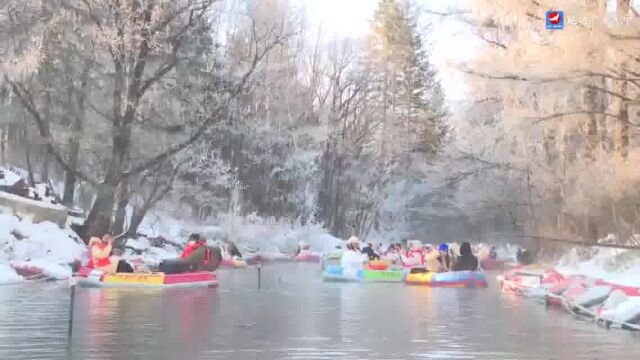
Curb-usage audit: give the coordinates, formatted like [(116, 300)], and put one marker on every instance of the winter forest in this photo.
[(204, 108)]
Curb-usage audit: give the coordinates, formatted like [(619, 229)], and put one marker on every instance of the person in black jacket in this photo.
[(368, 250), (466, 261)]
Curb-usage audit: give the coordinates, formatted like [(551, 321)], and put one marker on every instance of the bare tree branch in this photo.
[(200, 130), (27, 102)]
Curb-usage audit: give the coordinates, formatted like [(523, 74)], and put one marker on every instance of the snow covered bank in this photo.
[(46, 246), (616, 266), (43, 244), (251, 233), (268, 235)]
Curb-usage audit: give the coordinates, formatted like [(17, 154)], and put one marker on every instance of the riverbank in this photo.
[(50, 248)]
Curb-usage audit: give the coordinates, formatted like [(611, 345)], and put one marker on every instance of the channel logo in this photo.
[(555, 20)]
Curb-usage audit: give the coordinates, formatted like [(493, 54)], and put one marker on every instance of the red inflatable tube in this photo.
[(308, 258)]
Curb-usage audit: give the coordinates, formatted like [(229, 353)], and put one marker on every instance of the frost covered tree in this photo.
[(560, 113), (385, 126), (137, 46)]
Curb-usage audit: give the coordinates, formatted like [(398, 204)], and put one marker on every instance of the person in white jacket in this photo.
[(352, 259)]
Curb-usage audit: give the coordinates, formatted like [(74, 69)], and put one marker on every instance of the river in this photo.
[(294, 316)]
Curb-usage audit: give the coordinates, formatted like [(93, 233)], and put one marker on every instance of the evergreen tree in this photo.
[(406, 87)]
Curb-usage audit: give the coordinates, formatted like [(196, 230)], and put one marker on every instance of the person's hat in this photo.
[(443, 247)]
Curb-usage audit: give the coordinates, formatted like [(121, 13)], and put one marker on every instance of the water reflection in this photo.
[(296, 316)]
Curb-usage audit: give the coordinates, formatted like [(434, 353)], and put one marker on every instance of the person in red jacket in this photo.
[(195, 256), (194, 249)]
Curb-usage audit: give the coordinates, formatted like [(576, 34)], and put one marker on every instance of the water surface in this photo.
[(295, 316)]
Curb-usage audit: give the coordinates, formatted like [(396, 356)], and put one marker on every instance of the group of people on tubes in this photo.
[(195, 256), (414, 255)]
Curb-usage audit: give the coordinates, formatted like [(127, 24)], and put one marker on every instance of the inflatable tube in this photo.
[(231, 263), (593, 296), (26, 269), (626, 312), (336, 273), (310, 257), (488, 263), (379, 265), (453, 279), (148, 280)]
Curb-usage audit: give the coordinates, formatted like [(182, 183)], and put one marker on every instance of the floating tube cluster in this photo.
[(337, 273), (453, 279), (603, 302)]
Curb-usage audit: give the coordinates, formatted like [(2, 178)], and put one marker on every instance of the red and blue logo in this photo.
[(555, 20)]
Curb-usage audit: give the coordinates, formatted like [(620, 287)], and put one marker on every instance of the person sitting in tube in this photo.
[(100, 257), (415, 255), (352, 259)]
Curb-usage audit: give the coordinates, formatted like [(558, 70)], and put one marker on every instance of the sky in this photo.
[(451, 41)]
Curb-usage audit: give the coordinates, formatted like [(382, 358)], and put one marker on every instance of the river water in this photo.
[(295, 316)]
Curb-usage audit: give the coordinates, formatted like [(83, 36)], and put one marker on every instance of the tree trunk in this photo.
[(70, 177), (3, 146), (68, 197), (622, 12), (136, 219), (121, 208), (76, 132), (99, 218), (27, 154), (98, 222)]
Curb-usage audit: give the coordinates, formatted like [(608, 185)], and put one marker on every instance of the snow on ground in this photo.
[(23, 240), (251, 233), (44, 245), (8, 178), (143, 248), (268, 235), (617, 266)]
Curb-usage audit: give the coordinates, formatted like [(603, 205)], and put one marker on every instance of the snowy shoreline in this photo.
[(52, 249), (47, 246)]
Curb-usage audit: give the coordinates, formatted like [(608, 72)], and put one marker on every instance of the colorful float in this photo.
[(99, 279), (452, 279), (335, 273), (522, 279)]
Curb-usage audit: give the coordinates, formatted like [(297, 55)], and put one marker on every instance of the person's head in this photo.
[(353, 243), (465, 249), (443, 248), (370, 245), (194, 237), (94, 240)]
